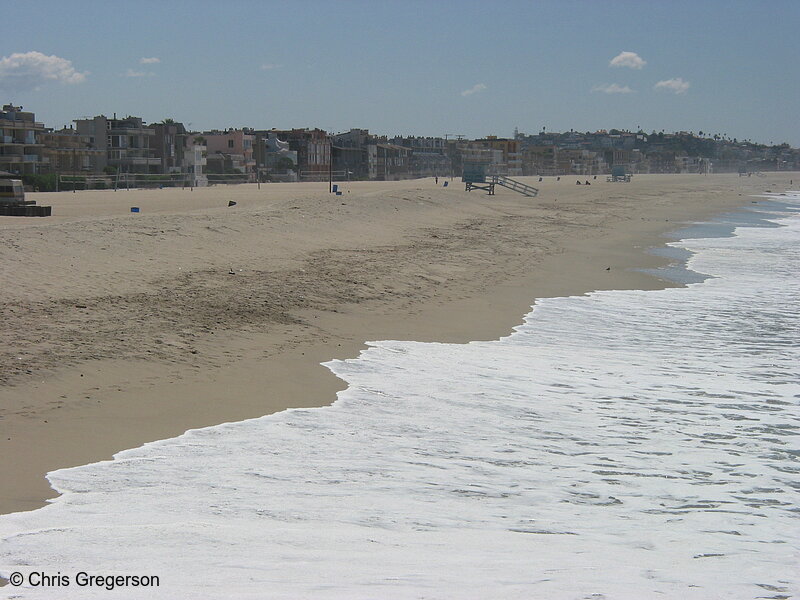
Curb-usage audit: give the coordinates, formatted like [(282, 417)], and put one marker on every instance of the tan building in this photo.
[(539, 160), (511, 161), (230, 151), (69, 153), (388, 162), (20, 143), (124, 143)]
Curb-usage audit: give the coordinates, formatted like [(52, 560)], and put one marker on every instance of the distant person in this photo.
[(540, 178), (437, 180), (587, 182), (577, 183), (558, 178), (595, 176)]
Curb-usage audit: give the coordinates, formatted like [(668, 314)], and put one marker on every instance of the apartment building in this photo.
[(313, 147), (125, 144), (539, 160), (388, 162), (349, 153), (502, 154), (512, 157), (429, 156), (275, 161), (478, 152), (67, 152), (20, 143), (230, 151), (168, 143)]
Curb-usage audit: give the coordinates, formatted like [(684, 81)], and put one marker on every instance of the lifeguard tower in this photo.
[(619, 173), (473, 175), (13, 203), (475, 178)]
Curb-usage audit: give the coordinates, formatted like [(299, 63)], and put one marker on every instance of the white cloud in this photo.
[(270, 66), (149, 61), (675, 85), (132, 73), (478, 87), (612, 88), (30, 70), (628, 59)]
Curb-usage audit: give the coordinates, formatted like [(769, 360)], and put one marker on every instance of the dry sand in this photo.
[(122, 328)]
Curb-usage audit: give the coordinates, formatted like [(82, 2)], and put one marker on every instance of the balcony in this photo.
[(130, 131), (20, 124), (130, 160)]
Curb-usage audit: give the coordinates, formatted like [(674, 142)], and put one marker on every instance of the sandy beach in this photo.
[(121, 328)]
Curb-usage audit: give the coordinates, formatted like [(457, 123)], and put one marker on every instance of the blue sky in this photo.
[(412, 68)]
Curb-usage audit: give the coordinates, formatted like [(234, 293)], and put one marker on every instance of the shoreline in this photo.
[(470, 272)]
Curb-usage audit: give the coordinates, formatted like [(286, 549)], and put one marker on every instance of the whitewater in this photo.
[(619, 445)]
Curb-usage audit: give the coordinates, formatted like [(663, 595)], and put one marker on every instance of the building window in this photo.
[(230, 143)]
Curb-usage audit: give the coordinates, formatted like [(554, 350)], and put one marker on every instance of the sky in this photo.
[(437, 68)]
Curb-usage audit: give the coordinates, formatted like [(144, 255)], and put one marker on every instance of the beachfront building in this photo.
[(168, 143), (476, 152), (275, 161), (230, 152), (511, 160), (313, 147), (20, 143), (429, 157), (363, 156), (387, 161), (539, 160), (349, 153), (586, 162), (194, 160), (619, 157), (124, 144), (661, 162), (565, 160), (66, 152), (180, 152), (350, 162), (693, 164)]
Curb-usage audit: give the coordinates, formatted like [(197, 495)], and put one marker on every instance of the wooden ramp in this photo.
[(516, 186)]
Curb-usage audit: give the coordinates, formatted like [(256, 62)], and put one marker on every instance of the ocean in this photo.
[(617, 445)]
